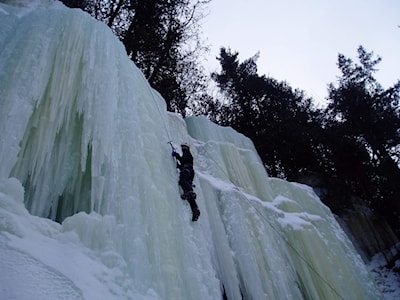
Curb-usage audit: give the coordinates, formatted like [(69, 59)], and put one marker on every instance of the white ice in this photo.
[(89, 195)]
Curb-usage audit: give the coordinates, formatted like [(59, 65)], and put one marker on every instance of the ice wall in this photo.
[(89, 201)]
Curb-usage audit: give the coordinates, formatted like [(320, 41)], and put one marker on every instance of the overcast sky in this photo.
[(299, 40)]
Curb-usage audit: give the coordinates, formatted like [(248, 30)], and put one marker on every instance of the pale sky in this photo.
[(299, 41)]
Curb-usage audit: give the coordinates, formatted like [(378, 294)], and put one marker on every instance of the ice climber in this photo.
[(185, 165)]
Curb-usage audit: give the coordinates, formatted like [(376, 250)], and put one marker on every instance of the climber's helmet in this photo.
[(185, 146)]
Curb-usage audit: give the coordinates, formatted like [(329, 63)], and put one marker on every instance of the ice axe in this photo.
[(174, 150), (172, 146)]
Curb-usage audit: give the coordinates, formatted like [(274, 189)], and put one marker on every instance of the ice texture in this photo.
[(89, 195)]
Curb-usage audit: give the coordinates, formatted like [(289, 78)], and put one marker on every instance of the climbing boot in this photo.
[(196, 214)]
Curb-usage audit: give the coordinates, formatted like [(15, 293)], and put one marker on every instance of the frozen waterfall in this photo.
[(89, 195)]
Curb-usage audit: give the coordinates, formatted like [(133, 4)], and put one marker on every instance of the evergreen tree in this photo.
[(162, 38), (350, 150), (365, 123), (280, 121)]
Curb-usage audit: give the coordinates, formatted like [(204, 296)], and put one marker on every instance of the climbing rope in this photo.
[(159, 111), (284, 238), (262, 216), (298, 253)]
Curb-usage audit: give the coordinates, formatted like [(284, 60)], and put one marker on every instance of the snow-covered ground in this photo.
[(387, 280), (84, 140)]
